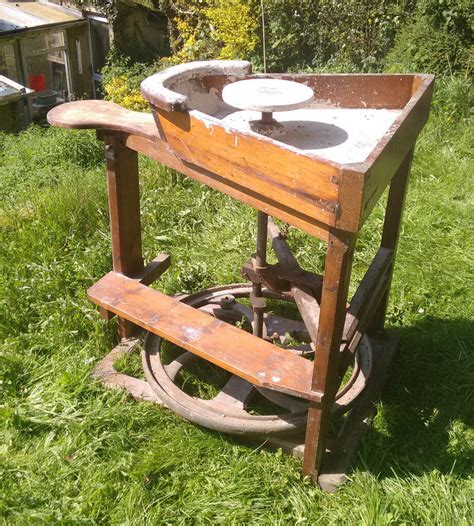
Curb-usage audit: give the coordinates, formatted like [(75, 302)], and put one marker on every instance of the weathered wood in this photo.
[(159, 151), (337, 272), (394, 147), (235, 393), (329, 200), (229, 347), (124, 207), (289, 268), (150, 273), (103, 115), (309, 310), (391, 230), (154, 269), (106, 372), (387, 91), (299, 181), (282, 251), (160, 89), (124, 212), (339, 459), (340, 451), (303, 189), (368, 293)]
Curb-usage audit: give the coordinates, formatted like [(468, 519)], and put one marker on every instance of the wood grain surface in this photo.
[(229, 347)]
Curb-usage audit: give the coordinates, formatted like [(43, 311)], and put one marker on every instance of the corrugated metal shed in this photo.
[(19, 15)]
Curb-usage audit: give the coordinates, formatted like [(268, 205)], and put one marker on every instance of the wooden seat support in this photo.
[(229, 347)]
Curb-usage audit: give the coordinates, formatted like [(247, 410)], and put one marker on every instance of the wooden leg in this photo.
[(391, 230), (124, 211), (331, 323)]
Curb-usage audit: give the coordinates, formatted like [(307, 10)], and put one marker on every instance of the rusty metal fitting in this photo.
[(227, 302), (258, 302)]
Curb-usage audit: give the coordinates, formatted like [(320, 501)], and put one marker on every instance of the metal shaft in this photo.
[(261, 262), (267, 117)]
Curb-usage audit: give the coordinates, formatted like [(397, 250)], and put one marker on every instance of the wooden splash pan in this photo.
[(324, 175)]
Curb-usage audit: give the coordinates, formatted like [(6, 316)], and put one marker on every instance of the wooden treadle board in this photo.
[(260, 362)]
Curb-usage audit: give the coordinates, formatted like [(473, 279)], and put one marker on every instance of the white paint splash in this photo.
[(337, 134)]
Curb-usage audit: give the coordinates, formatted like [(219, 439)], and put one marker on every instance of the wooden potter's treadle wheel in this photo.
[(298, 364), (231, 411)]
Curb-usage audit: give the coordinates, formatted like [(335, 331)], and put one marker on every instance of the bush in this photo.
[(453, 99), (121, 80), (404, 35), (346, 35), (203, 30), (418, 35), (438, 40)]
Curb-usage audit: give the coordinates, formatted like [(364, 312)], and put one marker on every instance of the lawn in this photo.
[(72, 452)]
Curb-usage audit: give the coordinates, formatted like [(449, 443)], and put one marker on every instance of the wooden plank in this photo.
[(159, 151), (124, 206), (124, 213), (102, 115), (337, 271), (347, 90), (368, 293), (154, 269), (309, 310), (351, 197), (229, 347), (295, 179), (391, 229), (397, 143), (150, 273)]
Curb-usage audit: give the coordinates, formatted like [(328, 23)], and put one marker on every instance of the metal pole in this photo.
[(261, 262)]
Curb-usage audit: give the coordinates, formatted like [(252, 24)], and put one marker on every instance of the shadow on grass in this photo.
[(427, 408), (426, 413)]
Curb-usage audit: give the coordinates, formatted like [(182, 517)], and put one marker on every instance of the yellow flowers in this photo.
[(202, 30), (119, 90), (233, 28), (214, 29)]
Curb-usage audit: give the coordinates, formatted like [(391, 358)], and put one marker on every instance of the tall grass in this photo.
[(72, 452)]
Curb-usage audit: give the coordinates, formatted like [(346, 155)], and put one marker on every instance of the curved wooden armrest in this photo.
[(102, 115), (158, 89)]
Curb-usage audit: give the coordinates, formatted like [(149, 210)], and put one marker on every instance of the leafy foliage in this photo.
[(327, 35), (121, 80), (233, 28), (210, 29), (120, 90), (438, 40), (343, 34), (300, 33)]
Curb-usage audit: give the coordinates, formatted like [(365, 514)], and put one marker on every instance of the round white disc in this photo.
[(267, 95)]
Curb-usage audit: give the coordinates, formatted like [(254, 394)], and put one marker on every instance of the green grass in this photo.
[(72, 452)]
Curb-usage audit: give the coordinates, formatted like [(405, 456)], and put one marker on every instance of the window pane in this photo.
[(48, 72), (40, 43), (8, 62)]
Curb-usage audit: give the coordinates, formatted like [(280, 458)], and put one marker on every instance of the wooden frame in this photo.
[(328, 200)]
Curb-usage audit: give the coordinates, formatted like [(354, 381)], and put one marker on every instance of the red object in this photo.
[(37, 82)]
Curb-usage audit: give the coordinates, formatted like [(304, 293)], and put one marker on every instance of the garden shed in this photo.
[(46, 48)]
